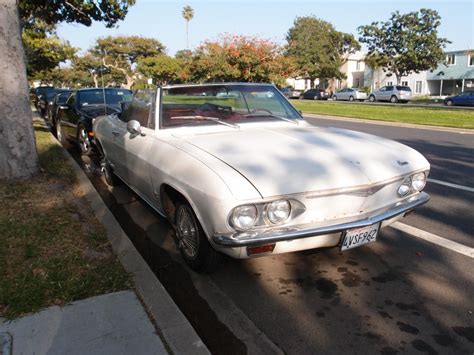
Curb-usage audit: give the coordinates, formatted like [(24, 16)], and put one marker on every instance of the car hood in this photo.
[(282, 160)]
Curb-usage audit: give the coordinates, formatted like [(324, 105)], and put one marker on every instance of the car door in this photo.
[(341, 95), (133, 150), (471, 98), (67, 115)]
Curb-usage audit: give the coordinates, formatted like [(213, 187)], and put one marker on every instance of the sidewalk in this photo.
[(115, 323)]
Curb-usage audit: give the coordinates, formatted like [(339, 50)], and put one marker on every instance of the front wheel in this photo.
[(110, 178), (60, 134), (372, 98), (449, 103), (192, 242), (351, 98), (334, 98), (83, 140)]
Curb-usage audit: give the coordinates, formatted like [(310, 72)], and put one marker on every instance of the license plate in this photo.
[(354, 238)]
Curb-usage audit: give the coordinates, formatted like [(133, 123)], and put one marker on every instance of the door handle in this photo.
[(115, 133)]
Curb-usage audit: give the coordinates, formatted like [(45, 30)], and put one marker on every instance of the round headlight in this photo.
[(278, 211), (418, 181), (404, 188), (244, 217)]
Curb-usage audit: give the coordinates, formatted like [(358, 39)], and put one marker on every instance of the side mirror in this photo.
[(134, 128)]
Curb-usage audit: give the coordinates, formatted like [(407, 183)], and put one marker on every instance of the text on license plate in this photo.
[(354, 238)]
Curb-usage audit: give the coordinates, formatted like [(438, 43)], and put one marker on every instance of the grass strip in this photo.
[(433, 116), (52, 249)]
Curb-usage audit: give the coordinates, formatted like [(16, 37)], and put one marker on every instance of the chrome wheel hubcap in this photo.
[(59, 134), (186, 230), (84, 142)]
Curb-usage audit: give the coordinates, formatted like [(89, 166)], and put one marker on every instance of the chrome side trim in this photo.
[(273, 235)]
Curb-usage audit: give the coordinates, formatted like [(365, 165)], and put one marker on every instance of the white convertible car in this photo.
[(237, 170)]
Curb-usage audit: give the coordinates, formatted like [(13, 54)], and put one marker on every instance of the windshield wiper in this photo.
[(271, 115), (205, 118)]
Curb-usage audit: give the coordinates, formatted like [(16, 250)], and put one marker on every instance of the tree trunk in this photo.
[(96, 79), (18, 156)]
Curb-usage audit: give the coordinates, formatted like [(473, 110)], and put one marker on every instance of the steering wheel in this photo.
[(213, 107), (255, 110)]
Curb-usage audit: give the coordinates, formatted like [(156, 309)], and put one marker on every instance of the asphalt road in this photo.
[(398, 295)]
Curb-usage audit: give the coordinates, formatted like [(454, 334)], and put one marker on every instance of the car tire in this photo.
[(83, 141), (449, 103), (192, 242), (110, 178), (351, 98), (60, 134), (393, 99), (334, 98), (371, 98)]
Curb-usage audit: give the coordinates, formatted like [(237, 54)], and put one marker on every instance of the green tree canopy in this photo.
[(405, 43), (80, 11), (239, 58), (44, 50), (162, 69), (121, 53), (318, 49)]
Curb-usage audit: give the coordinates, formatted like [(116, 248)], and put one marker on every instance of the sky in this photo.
[(268, 19)]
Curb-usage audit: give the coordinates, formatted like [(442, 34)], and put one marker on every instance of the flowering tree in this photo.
[(240, 58)]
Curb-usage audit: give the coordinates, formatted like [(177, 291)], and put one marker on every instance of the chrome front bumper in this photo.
[(279, 234)]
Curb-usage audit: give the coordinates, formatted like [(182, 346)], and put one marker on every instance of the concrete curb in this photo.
[(388, 123), (5, 344), (175, 330)]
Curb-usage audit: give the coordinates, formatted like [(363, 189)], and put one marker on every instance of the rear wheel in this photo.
[(372, 98), (351, 98), (192, 242), (393, 99)]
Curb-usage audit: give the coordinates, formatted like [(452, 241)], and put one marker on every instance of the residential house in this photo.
[(447, 79), (455, 76)]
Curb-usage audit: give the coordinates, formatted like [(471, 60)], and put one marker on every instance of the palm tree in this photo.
[(188, 14)]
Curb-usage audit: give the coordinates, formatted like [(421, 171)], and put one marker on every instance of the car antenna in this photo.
[(103, 90)]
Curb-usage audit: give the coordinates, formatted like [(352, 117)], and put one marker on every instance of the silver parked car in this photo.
[(350, 94), (392, 93), (238, 171)]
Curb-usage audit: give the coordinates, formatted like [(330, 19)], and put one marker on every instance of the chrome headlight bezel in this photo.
[(416, 184), (272, 208), (263, 219), (409, 187), (245, 211)]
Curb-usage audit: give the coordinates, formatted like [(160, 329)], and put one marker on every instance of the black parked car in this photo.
[(39, 92), (315, 94), (47, 99), (74, 118), (53, 107)]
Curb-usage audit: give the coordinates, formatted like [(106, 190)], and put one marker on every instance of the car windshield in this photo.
[(96, 97), (228, 103), (45, 90)]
